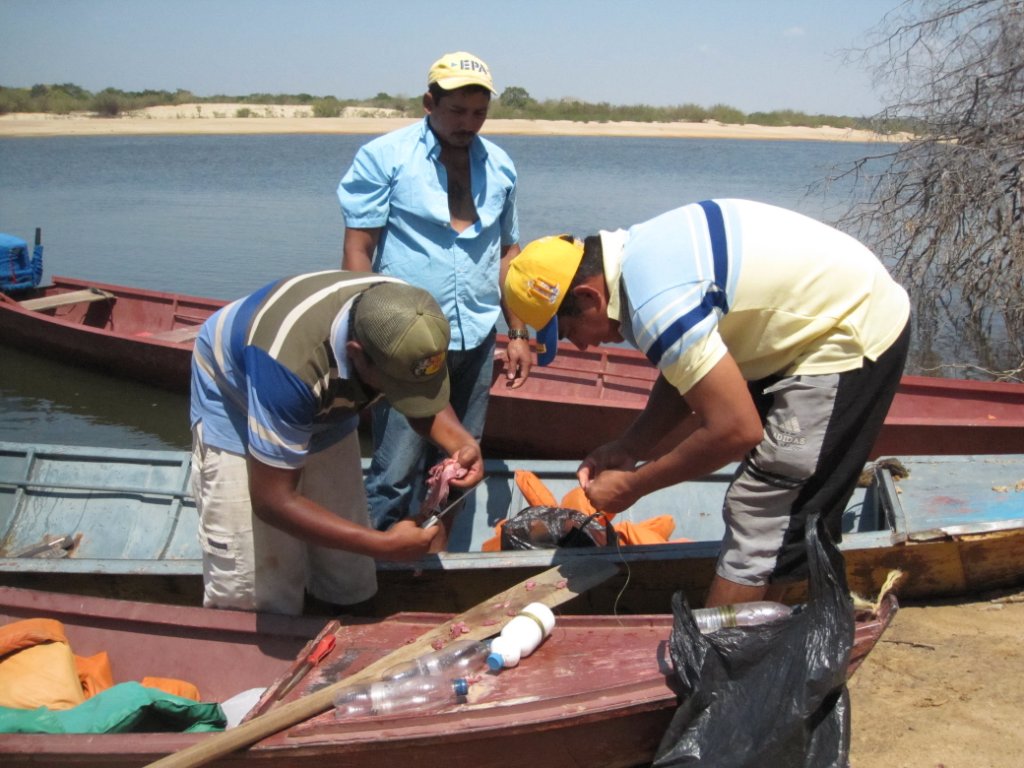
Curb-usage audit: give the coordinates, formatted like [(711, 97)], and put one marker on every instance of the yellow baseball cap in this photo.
[(459, 69), (537, 282)]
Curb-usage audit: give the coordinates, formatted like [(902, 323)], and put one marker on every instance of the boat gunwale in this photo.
[(170, 302)]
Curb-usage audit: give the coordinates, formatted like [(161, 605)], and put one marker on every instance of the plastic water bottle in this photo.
[(423, 693), (739, 615), (458, 659), (521, 636)]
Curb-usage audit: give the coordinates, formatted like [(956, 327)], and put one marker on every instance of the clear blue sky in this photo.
[(750, 54)]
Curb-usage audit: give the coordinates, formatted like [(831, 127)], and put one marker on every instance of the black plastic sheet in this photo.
[(542, 527), (768, 695)]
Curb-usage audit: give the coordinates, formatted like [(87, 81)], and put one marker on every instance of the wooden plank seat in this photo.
[(71, 297), (188, 333)]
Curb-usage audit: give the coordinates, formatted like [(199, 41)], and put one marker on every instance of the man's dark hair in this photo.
[(437, 92), (591, 264)]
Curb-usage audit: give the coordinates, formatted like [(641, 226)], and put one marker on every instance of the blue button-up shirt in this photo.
[(397, 183)]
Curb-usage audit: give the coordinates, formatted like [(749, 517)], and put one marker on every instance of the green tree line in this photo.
[(514, 102)]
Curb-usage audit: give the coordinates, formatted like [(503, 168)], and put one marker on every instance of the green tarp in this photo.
[(125, 708)]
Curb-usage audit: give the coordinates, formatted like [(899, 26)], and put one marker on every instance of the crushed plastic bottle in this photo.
[(422, 693), (739, 615), (458, 659)]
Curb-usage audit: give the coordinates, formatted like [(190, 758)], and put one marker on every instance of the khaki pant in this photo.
[(250, 565)]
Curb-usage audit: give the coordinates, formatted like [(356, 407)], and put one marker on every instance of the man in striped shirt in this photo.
[(780, 342), (278, 380)]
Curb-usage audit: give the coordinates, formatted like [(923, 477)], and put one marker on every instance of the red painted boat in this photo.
[(597, 692), (584, 399), (130, 332), (580, 401)]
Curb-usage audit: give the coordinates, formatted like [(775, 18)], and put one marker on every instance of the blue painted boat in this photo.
[(122, 523)]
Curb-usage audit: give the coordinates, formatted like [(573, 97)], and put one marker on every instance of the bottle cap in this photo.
[(460, 686), (504, 653)]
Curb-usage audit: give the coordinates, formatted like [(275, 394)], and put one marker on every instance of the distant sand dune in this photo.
[(274, 118)]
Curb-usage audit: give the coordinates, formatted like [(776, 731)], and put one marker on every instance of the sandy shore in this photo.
[(943, 687), (221, 119)]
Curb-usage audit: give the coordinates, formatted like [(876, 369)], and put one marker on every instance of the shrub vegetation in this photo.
[(514, 102)]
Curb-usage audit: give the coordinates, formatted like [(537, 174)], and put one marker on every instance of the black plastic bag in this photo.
[(551, 527), (767, 695)]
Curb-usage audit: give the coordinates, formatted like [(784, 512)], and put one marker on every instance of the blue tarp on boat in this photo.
[(20, 269)]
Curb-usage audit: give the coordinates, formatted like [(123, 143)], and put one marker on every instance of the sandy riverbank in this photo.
[(943, 687), (222, 119)]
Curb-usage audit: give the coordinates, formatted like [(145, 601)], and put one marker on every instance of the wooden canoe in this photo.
[(591, 396), (597, 692), (123, 523), (128, 332)]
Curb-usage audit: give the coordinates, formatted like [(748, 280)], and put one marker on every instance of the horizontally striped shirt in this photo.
[(782, 293), (270, 375)]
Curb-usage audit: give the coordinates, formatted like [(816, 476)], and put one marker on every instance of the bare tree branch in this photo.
[(944, 209)]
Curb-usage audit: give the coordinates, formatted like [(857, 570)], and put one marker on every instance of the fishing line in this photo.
[(622, 558), (629, 574)]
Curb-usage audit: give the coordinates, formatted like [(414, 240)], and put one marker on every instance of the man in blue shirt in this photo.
[(278, 380), (435, 205)]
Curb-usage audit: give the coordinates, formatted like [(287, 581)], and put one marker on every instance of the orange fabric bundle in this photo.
[(94, 673), (537, 494), (493, 544), (170, 685), (655, 530), (38, 669), (577, 499), (534, 490)]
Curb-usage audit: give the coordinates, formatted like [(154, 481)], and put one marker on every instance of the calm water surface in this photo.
[(222, 215)]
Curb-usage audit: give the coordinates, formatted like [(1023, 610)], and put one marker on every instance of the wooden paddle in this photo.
[(552, 587)]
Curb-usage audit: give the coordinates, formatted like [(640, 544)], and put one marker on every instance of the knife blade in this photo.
[(435, 518)]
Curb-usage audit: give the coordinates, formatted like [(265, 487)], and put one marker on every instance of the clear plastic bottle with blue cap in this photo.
[(422, 693), (439, 678), (457, 659)]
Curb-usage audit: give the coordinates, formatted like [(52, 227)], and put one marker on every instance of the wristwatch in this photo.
[(515, 333)]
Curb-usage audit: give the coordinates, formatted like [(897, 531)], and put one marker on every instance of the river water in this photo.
[(222, 215)]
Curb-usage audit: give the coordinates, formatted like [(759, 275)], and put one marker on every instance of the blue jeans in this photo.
[(395, 485)]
